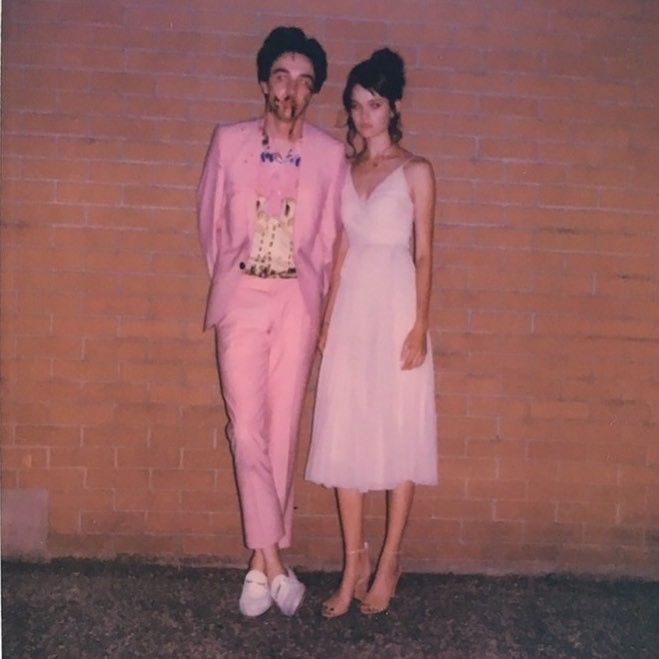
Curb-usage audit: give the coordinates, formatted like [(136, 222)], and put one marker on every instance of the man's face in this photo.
[(289, 88)]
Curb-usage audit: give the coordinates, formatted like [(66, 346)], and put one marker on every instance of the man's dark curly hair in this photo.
[(291, 40)]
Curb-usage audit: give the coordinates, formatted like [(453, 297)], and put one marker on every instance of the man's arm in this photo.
[(331, 220), (209, 202)]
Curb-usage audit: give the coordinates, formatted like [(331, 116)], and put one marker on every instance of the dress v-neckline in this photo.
[(367, 198)]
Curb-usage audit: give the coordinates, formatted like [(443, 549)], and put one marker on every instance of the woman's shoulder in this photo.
[(413, 161), (417, 168)]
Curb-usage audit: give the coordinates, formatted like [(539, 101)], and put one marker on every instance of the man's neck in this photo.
[(282, 132)]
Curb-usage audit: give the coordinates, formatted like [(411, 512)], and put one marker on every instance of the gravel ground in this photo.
[(75, 608)]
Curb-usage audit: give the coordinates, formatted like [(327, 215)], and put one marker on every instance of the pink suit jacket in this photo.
[(226, 201)]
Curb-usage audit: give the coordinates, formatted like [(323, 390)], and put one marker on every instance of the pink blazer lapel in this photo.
[(245, 162), (308, 174)]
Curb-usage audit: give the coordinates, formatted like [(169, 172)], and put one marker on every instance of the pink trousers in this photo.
[(265, 345)]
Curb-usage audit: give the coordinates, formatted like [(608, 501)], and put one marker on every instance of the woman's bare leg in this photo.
[(399, 502), (356, 568)]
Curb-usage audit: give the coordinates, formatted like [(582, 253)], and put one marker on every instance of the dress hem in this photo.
[(375, 487)]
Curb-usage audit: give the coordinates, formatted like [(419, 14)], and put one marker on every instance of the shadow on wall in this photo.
[(24, 523)]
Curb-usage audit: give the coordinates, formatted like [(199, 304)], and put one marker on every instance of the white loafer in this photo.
[(255, 597), (287, 592)]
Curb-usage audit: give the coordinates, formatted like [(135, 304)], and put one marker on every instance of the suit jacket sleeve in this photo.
[(331, 221), (210, 193)]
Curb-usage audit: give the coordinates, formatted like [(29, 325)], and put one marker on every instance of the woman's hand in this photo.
[(414, 349)]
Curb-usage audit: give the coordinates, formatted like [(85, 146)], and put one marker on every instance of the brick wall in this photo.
[(540, 117)]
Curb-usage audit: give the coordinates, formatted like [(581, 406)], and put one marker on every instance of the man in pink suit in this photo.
[(268, 221)]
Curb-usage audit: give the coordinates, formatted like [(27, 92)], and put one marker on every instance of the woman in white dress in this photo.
[(374, 422)]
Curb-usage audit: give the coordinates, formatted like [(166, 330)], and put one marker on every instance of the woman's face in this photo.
[(369, 112)]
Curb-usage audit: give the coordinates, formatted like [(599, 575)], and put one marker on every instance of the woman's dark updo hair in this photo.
[(291, 40), (383, 73)]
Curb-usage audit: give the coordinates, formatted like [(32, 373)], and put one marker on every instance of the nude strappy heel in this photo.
[(372, 608), (335, 606)]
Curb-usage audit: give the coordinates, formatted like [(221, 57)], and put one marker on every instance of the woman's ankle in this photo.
[(389, 563)]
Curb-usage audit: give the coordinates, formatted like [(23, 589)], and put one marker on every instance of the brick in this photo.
[(591, 513), (94, 193), (560, 409), (608, 535), (119, 392), (631, 475), (591, 472), (103, 104), (558, 451), (541, 531), (495, 533), (64, 521), (470, 468), (66, 544), (211, 545), (621, 453), (184, 523), (470, 427), (500, 323), (512, 281), (9, 479), (154, 457), (142, 413), (451, 446), (495, 448), (66, 479), (57, 123), (210, 501), (169, 479), (109, 478), (113, 522), (148, 545), (146, 500), (496, 489), (29, 190), (24, 458), (506, 106), (502, 237), (528, 470), (33, 435), (464, 510), (460, 383), (94, 457), (58, 391), (508, 149), (94, 500), (121, 82), (85, 414), (85, 370), (503, 406), (204, 458), (627, 286), (197, 438)]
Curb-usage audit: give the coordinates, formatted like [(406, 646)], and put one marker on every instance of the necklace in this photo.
[(376, 160), (268, 154)]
